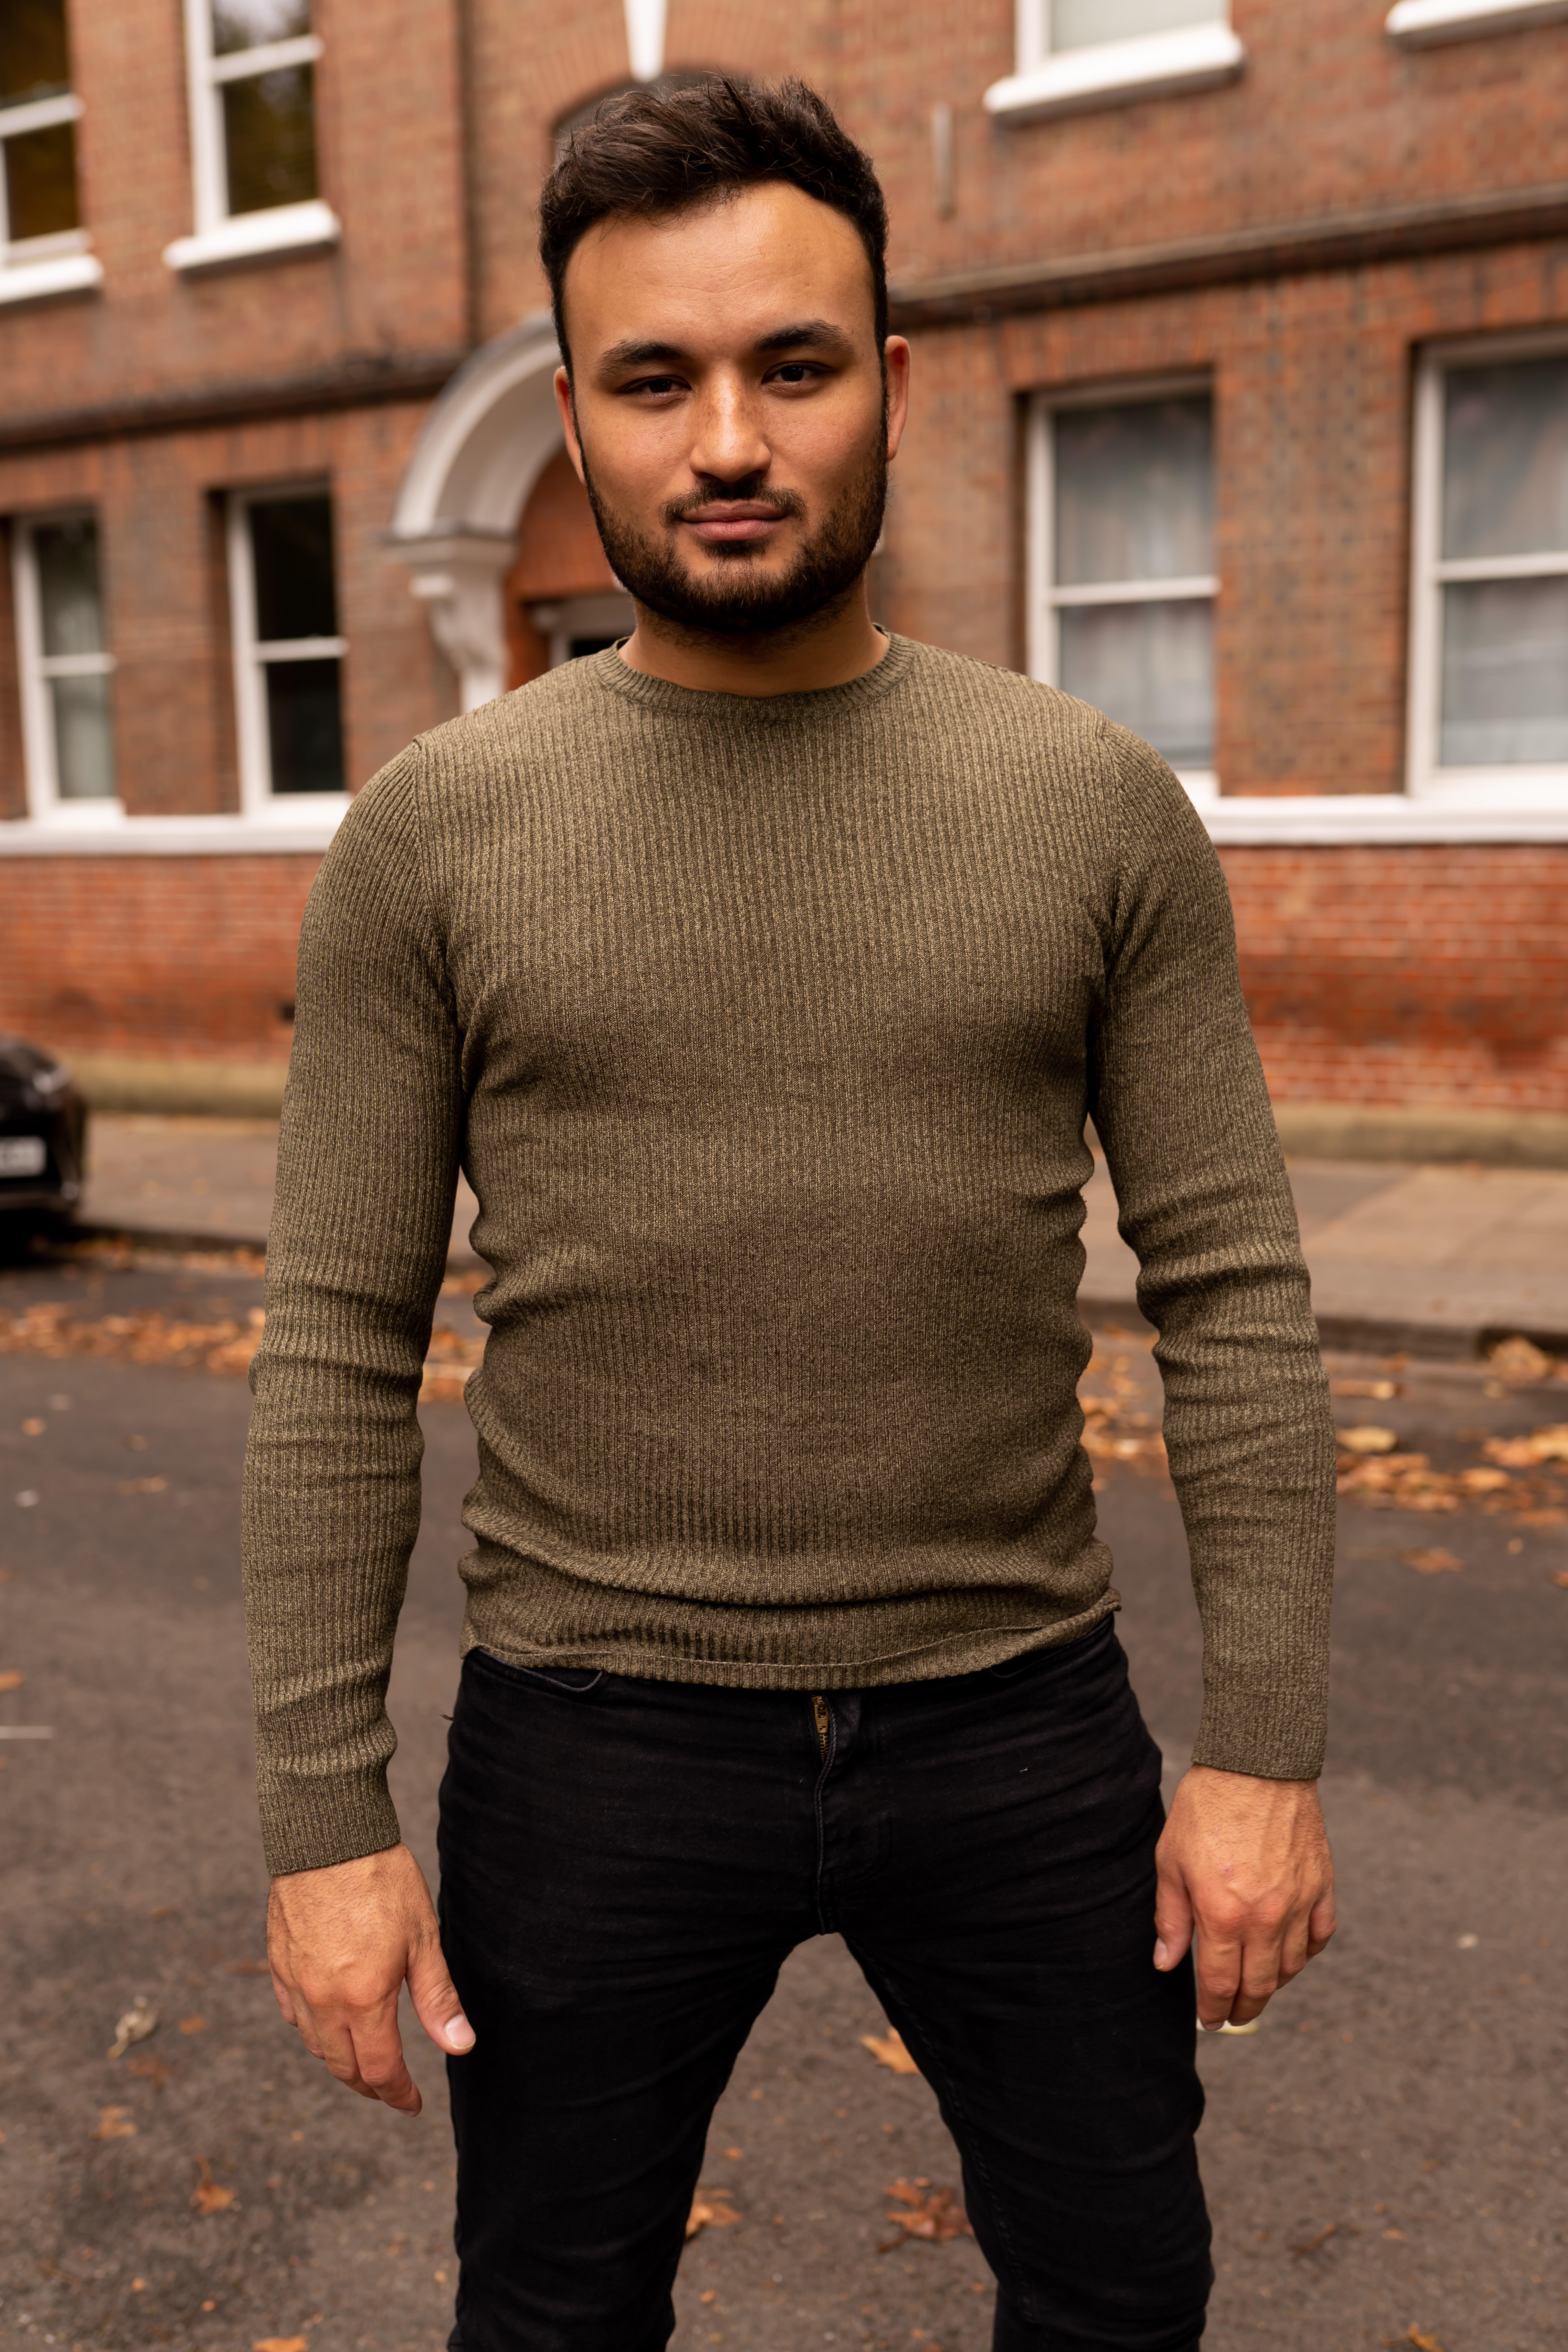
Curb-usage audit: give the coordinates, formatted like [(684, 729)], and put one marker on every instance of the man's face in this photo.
[(727, 412)]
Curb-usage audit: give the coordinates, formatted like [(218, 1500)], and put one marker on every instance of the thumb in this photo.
[(435, 2002), (1173, 1920)]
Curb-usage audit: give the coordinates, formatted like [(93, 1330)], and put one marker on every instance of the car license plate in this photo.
[(22, 1155)]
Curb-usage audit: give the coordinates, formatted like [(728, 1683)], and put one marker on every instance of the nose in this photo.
[(729, 444)]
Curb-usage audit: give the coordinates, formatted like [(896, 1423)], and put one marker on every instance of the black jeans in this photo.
[(625, 1864)]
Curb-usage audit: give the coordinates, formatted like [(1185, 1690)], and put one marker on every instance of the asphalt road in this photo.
[(1386, 2154)]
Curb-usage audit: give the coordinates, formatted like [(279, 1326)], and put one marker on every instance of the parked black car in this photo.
[(43, 1133)]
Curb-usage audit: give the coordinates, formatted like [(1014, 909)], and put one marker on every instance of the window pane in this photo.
[(1505, 672), (1505, 476), (68, 591), (292, 540), (304, 726), (40, 181), (1134, 492), (270, 139), (84, 738), (33, 56), (1148, 666), (1080, 24), (249, 24)]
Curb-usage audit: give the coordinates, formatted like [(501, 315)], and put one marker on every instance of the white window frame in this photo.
[(1045, 82), (252, 654), (1423, 24), (33, 268), (1518, 784), (221, 236), (1046, 601), (36, 669)]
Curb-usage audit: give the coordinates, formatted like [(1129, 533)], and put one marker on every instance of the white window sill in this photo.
[(1116, 73), (37, 281), (1422, 24), (302, 826), (1450, 812), (285, 229)]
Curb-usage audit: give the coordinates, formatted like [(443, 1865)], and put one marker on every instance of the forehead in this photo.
[(718, 274)]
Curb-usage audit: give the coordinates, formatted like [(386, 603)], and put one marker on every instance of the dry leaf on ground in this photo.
[(208, 2196), (114, 2123), (1422, 2342), (1560, 1576), (281, 2344), (1379, 1390), (888, 2050), (139, 2020), (151, 2069), (191, 2025), (1548, 1444), (1520, 1359), (1431, 1562), (12, 1680), (710, 2210), (1368, 1438), (934, 2215)]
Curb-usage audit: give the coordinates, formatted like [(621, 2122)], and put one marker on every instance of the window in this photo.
[(66, 667), (42, 242), (1074, 54), (1489, 604), (252, 68), (288, 655), (1122, 547), (1423, 24)]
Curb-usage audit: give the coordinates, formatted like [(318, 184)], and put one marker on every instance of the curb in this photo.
[(1368, 1335)]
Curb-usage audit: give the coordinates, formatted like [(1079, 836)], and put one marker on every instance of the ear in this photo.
[(896, 359), (569, 418)]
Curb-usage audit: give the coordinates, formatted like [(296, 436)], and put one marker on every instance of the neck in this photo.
[(833, 645)]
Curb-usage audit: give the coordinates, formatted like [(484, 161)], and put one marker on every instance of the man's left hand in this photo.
[(1246, 1876)]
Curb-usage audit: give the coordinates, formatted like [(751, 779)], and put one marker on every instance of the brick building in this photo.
[(1241, 408)]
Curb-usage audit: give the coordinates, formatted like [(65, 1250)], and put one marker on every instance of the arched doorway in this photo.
[(561, 598)]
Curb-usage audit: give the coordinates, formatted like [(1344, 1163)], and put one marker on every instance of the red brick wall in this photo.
[(1420, 975), (186, 957)]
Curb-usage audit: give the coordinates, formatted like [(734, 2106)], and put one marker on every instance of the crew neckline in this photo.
[(660, 694)]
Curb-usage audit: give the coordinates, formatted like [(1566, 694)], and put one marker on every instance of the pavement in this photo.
[(1441, 1259), (1386, 2158)]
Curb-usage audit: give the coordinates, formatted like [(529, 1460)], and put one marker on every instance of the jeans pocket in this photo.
[(574, 1682)]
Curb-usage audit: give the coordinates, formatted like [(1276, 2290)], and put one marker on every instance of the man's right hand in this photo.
[(340, 1942)]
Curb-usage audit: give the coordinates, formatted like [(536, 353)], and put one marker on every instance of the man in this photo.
[(762, 974)]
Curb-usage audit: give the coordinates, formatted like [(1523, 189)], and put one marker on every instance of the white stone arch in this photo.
[(484, 444)]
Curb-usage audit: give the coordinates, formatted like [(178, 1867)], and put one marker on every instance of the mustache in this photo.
[(748, 491)]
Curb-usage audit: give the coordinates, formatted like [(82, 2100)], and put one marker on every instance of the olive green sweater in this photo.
[(765, 1032)]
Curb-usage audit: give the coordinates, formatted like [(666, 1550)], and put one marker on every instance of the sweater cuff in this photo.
[(1274, 1735), (311, 1820)]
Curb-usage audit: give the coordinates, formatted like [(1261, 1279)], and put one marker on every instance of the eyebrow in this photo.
[(811, 334)]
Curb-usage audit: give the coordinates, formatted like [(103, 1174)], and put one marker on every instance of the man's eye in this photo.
[(655, 384), (795, 371)]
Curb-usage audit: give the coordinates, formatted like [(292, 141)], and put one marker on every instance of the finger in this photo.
[(1219, 1980), (284, 1997), (1320, 1925), (436, 2002), (1172, 1919), (380, 2067)]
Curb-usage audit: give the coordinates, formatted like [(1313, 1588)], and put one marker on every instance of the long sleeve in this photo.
[(1180, 1103), (366, 1174)]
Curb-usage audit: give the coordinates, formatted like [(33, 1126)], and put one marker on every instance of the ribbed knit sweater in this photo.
[(766, 1031)]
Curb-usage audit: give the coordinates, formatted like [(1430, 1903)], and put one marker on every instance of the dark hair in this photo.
[(660, 150)]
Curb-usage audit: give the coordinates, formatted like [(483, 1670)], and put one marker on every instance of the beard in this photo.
[(737, 598)]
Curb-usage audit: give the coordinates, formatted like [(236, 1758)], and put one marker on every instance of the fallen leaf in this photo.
[(710, 2210), (280, 2343), (1428, 2342), (1381, 1390), (208, 2196), (151, 2069), (888, 2051), (142, 1485), (1547, 1445), (248, 1969), (1335, 2230), (1433, 1561), (139, 2020), (1560, 1576), (12, 1680), (932, 2215), (1519, 1359), (1368, 1438), (114, 2123), (199, 2024), (1483, 1482)]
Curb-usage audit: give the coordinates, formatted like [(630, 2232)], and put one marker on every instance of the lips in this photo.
[(721, 525)]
